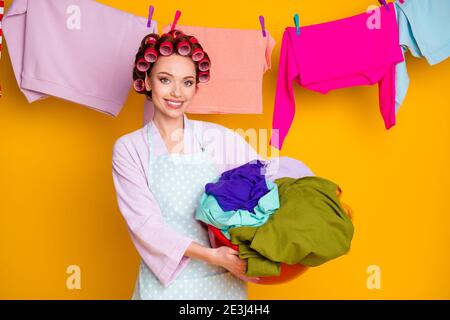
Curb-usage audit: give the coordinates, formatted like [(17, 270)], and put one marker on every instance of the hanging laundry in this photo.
[(77, 50), (424, 28), (239, 59), (240, 188), (311, 227), (2, 6), (337, 54), (239, 197)]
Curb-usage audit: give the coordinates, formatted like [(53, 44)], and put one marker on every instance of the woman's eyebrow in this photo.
[(188, 77)]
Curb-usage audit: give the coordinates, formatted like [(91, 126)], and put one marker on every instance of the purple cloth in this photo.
[(240, 188)]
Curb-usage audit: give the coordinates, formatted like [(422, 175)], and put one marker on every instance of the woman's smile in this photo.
[(174, 104)]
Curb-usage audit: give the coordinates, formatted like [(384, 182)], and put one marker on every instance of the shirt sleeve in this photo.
[(161, 247)]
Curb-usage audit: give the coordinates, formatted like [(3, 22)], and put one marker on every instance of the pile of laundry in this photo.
[(277, 211)]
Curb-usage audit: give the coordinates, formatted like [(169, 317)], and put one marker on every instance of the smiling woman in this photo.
[(160, 172)]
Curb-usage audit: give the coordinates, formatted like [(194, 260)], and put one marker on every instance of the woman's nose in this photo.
[(176, 92)]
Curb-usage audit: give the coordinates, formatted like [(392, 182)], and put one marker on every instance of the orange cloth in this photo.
[(239, 59)]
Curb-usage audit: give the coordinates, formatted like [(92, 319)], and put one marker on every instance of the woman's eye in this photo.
[(164, 80), (189, 83)]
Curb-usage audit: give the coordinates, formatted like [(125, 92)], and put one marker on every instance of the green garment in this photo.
[(309, 228)]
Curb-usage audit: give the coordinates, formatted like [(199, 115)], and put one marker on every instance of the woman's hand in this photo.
[(228, 258)]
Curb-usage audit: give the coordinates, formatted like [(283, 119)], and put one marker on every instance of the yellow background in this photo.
[(58, 205)]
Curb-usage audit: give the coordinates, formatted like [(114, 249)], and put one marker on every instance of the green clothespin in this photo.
[(297, 23)]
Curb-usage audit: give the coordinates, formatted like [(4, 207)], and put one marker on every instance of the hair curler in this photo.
[(139, 85), (197, 54), (166, 48), (183, 48), (204, 64), (193, 40), (203, 76), (150, 55), (151, 40), (142, 65)]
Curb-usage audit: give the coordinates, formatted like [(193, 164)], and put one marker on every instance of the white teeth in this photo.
[(173, 103)]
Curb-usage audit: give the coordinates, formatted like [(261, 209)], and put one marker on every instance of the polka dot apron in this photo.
[(177, 182)]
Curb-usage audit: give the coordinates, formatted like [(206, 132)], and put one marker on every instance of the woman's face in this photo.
[(173, 84)]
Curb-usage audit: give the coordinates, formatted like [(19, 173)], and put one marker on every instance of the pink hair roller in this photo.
[(139, 85), (166, 48), (198, 54), (150, 55), (203, 76), (151, 40), (142, 65), (176, 33), (183, 48), (204, 64), (193, 40)]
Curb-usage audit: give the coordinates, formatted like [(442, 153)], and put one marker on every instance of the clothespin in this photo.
[(402, 1), (384, 3), (175, 20), (263, 26), (150, 16), (297, 23)]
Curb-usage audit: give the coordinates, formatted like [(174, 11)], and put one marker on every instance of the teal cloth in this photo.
[(210, 212), (310, 228)]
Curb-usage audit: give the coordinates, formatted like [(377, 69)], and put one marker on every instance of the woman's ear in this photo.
[(147, 83)]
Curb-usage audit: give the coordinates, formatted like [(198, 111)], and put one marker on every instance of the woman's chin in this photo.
[(174, 112)]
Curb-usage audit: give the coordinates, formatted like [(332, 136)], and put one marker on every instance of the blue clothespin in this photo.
[(150, 16), (297, 23), (263, 26), (384, 3)]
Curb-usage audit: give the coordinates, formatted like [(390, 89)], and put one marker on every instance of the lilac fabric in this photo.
[(286, 167), (240, 188), (78, 50)]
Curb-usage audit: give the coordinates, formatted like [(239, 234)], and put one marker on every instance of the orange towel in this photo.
[(239, 59)]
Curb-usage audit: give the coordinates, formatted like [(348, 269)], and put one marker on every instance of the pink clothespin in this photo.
[(175, 20), (402, 1), (297, 23), (263, 26), (150, 16), (384, 3)]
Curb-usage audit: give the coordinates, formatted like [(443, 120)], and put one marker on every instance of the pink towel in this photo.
[(337, 54), (239, 59)]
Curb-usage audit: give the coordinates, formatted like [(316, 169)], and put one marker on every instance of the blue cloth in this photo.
[(424, 29), (210, 212), (240, 188)]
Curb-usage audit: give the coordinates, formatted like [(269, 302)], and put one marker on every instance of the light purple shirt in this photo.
[(160, 246)]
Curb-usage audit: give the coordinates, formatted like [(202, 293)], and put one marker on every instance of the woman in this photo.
[(159, 174)]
